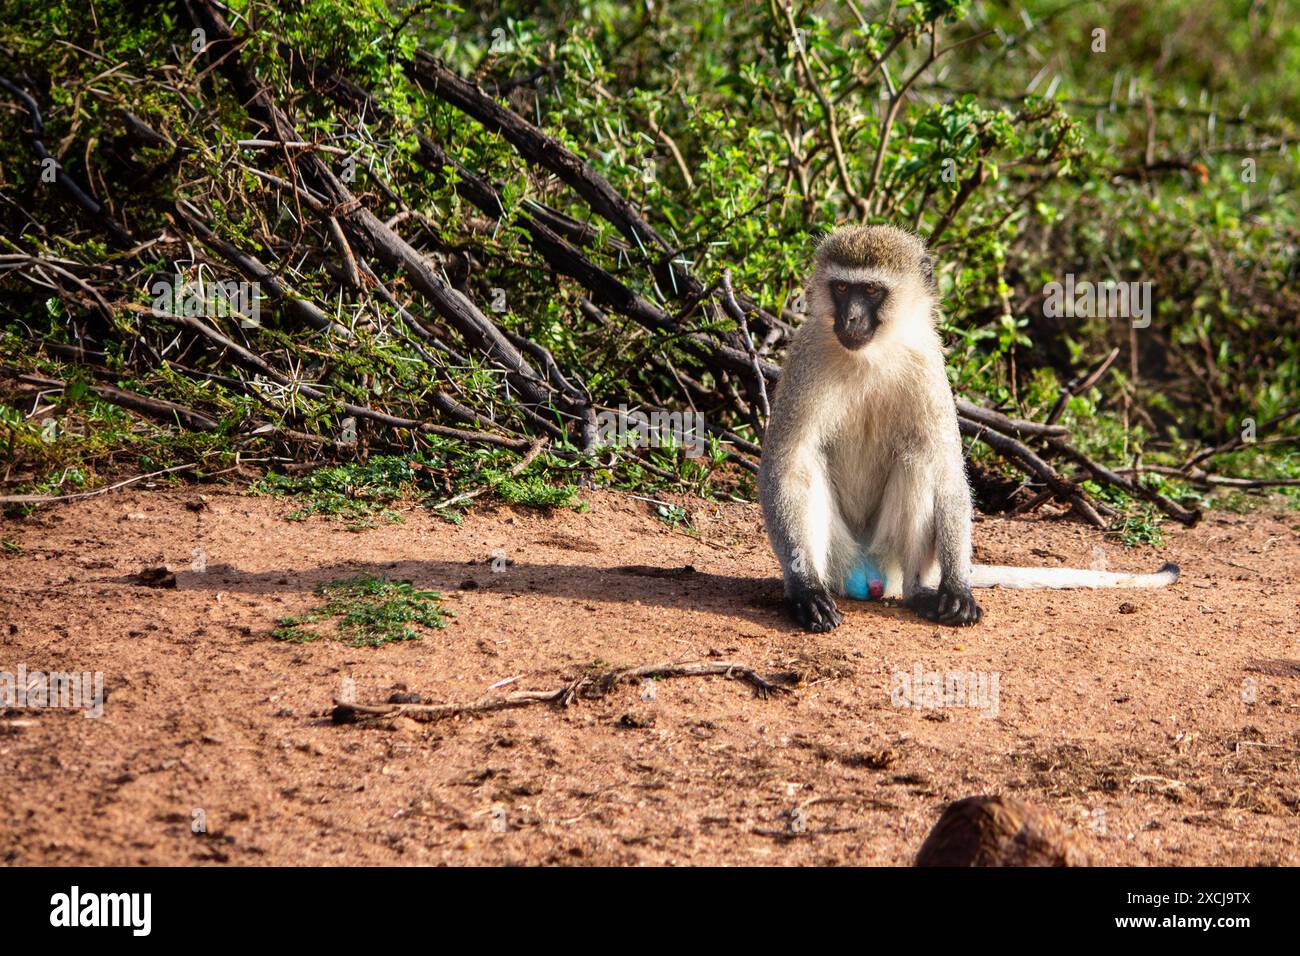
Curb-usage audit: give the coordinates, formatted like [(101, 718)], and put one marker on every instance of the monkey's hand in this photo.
[(953, 605), (815, 610)]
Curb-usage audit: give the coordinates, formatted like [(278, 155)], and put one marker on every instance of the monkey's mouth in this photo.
[(855, 335)]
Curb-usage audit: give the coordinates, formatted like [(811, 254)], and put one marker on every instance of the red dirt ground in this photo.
[(1163, 725)]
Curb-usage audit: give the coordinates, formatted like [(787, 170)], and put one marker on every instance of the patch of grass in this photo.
[(362, 493), (365, 611), (1138, 522), (531, 491), (357, 490), (10, 547)]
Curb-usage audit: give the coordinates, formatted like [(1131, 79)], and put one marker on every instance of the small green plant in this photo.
[(365, 611), (11, 547), (1138, 528), (675, 516)]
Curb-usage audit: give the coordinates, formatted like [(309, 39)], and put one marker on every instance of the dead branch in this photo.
[(91, 206), (155, 408), (1135, 488), (1026, 460), (1015, 427), (48, 499), (588, 687)]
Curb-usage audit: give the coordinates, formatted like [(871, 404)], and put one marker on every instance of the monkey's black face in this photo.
[(857, 311)]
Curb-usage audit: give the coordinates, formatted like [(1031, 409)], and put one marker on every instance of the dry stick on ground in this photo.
[(1133, 487), (1017, 427), (590, 687), (1198, 477)]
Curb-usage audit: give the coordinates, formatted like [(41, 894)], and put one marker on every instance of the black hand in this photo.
[(951, 604), (815, 610)]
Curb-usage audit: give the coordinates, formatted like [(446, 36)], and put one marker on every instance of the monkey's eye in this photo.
[(840, 287), (873, 288)]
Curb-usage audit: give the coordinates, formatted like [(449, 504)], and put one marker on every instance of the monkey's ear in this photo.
[(927, 272)]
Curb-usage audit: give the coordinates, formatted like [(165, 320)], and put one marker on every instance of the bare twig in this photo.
[(1020, 455), (590, 687), (48, 499), (1081, 384)]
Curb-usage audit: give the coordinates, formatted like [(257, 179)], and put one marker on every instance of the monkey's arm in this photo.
[(953, 603), (799, 512)]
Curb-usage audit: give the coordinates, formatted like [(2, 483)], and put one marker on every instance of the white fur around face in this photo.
[(907, 318)]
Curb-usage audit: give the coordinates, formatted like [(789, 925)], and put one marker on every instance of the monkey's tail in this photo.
[(995, 576)]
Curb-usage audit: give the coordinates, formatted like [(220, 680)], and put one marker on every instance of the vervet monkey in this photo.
[(862, 481)]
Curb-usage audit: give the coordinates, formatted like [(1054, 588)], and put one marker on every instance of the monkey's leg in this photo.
[(953, 602)]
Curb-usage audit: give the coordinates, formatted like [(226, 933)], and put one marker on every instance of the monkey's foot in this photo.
[(952, 606), (816, 611)]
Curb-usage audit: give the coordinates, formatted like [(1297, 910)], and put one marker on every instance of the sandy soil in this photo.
[(1165, 725)]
